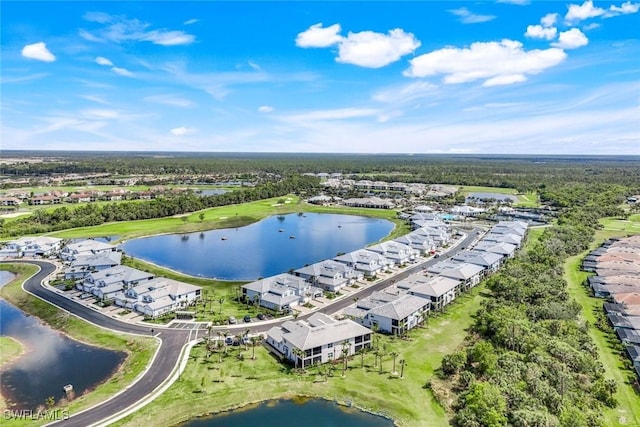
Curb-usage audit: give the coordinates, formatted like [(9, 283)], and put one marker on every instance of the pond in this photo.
[(293, 413), (211, 192), (50, 361), (262, 249)]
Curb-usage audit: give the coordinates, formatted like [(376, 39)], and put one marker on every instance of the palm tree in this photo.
[(225, 334), (394, 354), (361, 352), (402, 364), (246, 338), (254, 340), (346, 345), (256, 301), (221, 301)]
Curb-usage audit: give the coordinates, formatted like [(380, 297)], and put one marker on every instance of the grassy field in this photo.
[(528, 200), (628, 411), (10, 349), (222, 217), (139, 349), (214, 386)]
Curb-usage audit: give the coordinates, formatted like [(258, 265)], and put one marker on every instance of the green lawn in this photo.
[(139, 349), (628, 411), (528, 200), (10, 349), (212, 386)]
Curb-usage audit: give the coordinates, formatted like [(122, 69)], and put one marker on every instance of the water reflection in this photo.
[(293, 413), (50, 362), (266, 248)]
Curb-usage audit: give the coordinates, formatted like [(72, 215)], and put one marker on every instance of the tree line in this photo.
[(43, 221), (528, 360)]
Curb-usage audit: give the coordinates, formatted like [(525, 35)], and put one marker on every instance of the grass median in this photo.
[(139, 349)]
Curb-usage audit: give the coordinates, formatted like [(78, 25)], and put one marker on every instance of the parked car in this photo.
[(260, 316), (247, 318), (232, 320), (228, 340)]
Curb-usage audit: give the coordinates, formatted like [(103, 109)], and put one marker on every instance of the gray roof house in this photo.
[(507, 250), (439, 290), (320, 339), (468, 274), (104, 284), (396, 252), (488, 260), (514, 239), (86, 264), (280, 292), (393, 314), (31, 247), (439, 235), (329, 275), (86, 247), (368, 262)]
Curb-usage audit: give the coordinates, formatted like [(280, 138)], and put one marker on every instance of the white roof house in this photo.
[(86, 264), (397, 252), (105, 283), (32, 246), (368, 262), (320, 339), (158, 296), (468, 274), (423, 244), (85, 247), (280, 292)]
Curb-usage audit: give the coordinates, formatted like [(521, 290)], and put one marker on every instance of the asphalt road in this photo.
[(173, 340)]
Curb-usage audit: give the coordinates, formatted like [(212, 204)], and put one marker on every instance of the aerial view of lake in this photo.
[(293, 413), (51, 360), (262, 249)]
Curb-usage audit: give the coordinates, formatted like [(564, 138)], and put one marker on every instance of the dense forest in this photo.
[(528, 360), (62, 218), (525, 173)]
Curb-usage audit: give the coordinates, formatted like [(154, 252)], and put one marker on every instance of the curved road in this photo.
[(172, 340)]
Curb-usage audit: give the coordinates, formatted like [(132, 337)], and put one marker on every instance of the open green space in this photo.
[(139, 349), (614, 362), (224, 217), (10, 349), (208, 385), (528, 200)]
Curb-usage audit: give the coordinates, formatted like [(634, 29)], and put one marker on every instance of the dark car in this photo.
[(247, 318), (260, 316)]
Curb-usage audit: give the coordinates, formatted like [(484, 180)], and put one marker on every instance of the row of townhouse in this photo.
[(403, 306), (42, 246), (395, 310), (616, 264), (416, 188)]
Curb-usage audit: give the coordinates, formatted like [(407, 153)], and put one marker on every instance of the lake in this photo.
[(293, 413), (51, 360), (262, 249)]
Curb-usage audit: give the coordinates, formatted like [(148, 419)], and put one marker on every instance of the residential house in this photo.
[(507, 250), (490, 261), (280, 292), (31, 247), (104, 284), (73, 250), (389, 313), (439, 290), (440, 235), (158, 296), (320, 339), (369, 202), (365, 261), (85, 264), (419, 242), (468, 274), (329, 275), (398, 253)]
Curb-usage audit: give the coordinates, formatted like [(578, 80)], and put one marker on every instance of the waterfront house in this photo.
[(320, 339), (329, 275), (368, 262), (280, 292), (85, 264), (104, 284), (421, 243), (71, 251), (396, 252)]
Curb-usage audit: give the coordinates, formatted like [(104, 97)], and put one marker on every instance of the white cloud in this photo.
[(578, 13), (100, 60), (502, 62), (516, 2), (335, 114), (549, 20), (540, 32), (265, 109), (591, 26), (254, 66), (118, 29), (182, 131), (571, 39), (122, 71), (468, 17), (317, 36), (168, 38), (406, 93), (38, 51), (168, 99), (624, 9), (375, 50), (191, 21)]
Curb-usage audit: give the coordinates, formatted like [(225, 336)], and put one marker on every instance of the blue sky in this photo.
[(513, 77)]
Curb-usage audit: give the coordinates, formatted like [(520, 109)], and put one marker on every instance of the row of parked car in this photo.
[(247, 318)]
